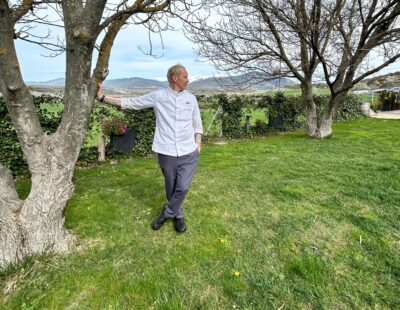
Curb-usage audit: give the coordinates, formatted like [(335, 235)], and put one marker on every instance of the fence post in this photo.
[(248, 124), (101, 149)]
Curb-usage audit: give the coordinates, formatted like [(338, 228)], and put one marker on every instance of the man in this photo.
[(177, 138)]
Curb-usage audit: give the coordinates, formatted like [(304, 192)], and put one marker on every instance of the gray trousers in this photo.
[(178, 174)]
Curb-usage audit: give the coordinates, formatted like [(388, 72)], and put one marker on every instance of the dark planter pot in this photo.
[(124, 143), (386, 106)]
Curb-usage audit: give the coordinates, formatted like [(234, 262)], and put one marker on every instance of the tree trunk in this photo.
[(39, 225), (10, 235), (36, 225), (42, 215), (310, 109), (10, 205), (325, 128)]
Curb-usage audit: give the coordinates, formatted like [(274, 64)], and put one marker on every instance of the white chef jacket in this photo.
[(177, 119)]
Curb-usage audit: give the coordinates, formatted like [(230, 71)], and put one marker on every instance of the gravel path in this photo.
[(395, 114)]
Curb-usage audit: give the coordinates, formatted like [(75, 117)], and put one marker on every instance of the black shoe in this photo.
[(180, 225), (159, 221)]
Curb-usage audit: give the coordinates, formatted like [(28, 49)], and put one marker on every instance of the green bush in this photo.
[(283, 112), (49, 110), (144, 122), (231, 116), (88, 155), (260, 128), (349, 109)]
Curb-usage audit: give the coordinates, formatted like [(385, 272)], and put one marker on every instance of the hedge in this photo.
[(283, 112)]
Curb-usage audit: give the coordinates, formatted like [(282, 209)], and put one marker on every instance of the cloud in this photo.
[(127, 60)]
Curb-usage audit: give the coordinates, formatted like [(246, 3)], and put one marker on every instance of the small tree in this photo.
[(268, 38), (364, 28)]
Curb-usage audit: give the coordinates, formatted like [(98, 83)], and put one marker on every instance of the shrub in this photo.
[(260, 128), (283, 112), (49, 110), (231, 116), (349, 109), (144, 122), (286, 111)]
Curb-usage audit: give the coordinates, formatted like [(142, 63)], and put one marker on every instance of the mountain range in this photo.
[(140, 85), (244, 82)]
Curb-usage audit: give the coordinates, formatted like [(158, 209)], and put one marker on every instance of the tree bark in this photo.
[(325, 127), (10, 205), (310, 109), (36, 225), (42, 214)]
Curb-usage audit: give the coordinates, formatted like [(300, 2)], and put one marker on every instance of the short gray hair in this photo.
[(174, 70)]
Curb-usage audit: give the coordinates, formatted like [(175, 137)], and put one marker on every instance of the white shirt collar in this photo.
[(174, 91)]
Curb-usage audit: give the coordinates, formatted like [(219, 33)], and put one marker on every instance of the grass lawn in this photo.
[(281, 222)]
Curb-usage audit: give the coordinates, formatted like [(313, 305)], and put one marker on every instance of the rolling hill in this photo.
[(241, 82), (381, 81)]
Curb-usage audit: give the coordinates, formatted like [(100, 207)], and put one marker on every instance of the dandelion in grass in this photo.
[(237, 273), (222, 241)]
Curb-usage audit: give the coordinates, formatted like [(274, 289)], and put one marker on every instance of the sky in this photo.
[(127, 60), (127, 57)]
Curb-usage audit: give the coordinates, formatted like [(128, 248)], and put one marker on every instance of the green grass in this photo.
[(296, 91), (309, 224), (213, 127)]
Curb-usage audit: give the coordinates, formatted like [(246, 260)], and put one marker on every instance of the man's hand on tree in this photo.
[(99, 91)]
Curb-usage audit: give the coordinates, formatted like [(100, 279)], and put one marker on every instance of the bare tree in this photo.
[(298, 37), (36, 224), (365, 29), (268, 38)]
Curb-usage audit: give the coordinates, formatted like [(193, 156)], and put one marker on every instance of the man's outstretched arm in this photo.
[(116, 102), (135, 103)]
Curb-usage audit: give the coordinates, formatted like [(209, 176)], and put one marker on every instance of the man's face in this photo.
[(181, 80)]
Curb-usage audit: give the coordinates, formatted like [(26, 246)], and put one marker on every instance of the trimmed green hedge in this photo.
[(49, 110), (283, 113)]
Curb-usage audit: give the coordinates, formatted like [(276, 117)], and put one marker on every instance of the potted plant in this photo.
[(122, 138), (388, 99), (396, 105)]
